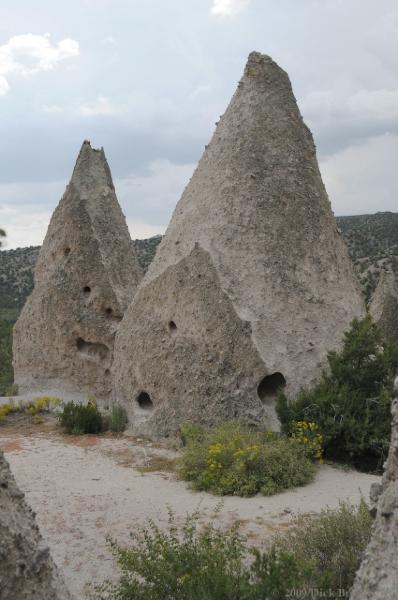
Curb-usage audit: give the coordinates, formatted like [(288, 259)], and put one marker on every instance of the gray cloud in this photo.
[(151, 79)]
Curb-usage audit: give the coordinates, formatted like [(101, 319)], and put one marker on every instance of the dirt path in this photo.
[(84, 489)]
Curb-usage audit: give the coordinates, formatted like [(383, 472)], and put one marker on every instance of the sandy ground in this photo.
[(85, 488)]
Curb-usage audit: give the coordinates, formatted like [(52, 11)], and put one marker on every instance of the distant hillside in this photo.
[(16, 270), (373, 245), (16, 275), (146, 250), (372, 242)]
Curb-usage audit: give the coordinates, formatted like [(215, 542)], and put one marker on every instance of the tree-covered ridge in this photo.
[(6, 371), (372, 242), (17, 266), (16, 276)]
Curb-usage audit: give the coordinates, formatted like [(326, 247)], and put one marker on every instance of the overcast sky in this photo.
[(147, 79)]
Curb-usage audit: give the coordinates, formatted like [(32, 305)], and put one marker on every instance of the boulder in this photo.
[(27, 571)]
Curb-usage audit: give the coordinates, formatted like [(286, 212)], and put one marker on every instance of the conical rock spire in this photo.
[(86, 273), (257, 206)]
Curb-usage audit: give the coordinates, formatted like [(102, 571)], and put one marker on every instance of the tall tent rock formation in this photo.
[(377, 578), (85, 276), (252, 283), (27, 571)]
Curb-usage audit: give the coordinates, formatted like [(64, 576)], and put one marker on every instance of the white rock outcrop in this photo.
[(85, 276), (259, 215), (377, 578), (27, 571), (383, 306)]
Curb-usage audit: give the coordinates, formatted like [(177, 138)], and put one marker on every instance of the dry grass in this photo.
[(158, 464)]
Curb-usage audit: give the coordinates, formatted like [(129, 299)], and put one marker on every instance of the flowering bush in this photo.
[(33, 408), (231, 459), (6, 409), (307, 434), (42, 404)]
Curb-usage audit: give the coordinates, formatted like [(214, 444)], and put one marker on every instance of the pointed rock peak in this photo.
[(260, 71), (258, 62), (91, 168)]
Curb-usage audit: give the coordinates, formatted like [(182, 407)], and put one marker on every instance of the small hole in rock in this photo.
[(87, 289), (109, 311), (270, 385), (67, 251), (172, 326), (144, 401)]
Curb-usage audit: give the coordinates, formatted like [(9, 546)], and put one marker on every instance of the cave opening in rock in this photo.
[(144, 401), (87, 289), (270, 385), (66, 251), (109, 311), (93, 350), (172, 326)]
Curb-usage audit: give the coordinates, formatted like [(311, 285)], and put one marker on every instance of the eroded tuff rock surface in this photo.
[(86, 274), (257, 206), (377, 578), (27, 571), (383, 307), (208, 347)]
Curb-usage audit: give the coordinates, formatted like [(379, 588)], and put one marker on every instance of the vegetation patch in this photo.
[(6, 370), (351, 403), (188, 562), (158, 464), (118, 418), (34, 408), (78, 418), (232, 459)]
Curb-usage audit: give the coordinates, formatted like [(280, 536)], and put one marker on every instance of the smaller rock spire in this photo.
[(86, 273)]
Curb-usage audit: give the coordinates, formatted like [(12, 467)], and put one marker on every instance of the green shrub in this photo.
[(118, 418), (187, 562), (231, 459), (191, 432), (81, 418), (332, 543), (184, 563), (351, 403), (6, 370)]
